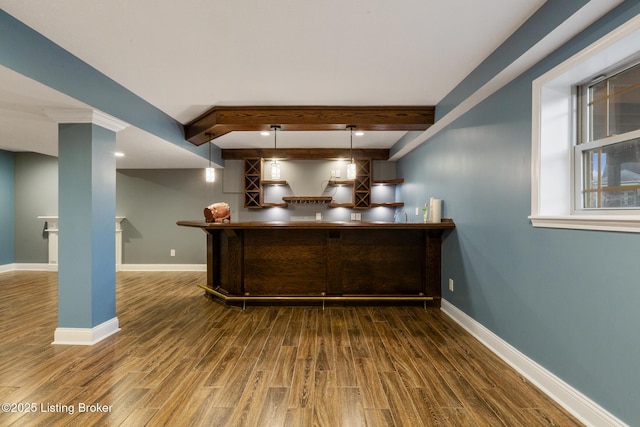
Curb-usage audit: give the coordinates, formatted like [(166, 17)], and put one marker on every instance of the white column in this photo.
[(52, 230), (119, 220)]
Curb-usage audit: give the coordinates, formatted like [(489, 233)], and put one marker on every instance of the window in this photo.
[(585, 171), (608, 146)]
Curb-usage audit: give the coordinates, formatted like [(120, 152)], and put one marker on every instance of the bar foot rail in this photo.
[(314, 298)]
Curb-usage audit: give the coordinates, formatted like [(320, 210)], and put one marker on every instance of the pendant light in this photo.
[(210, 172), (275, 166), (351, 167)]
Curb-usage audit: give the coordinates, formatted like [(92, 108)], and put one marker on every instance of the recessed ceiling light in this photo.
[(118, 154)]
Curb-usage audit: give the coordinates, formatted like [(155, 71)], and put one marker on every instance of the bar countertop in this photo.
[(446, 223)]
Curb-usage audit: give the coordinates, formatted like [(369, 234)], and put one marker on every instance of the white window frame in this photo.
[(579, 173), (554, 167)]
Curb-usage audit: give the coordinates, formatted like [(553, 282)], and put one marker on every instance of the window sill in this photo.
[(627, 224)]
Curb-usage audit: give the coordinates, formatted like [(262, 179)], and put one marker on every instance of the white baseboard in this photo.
[(583, 408), (86, 336), (163, 267), (4, 268), (35, 267), (121, 267)]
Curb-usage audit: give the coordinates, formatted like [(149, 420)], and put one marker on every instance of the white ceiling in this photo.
[(185, 57)]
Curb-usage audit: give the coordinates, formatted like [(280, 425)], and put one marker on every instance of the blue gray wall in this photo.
[(152, 201), (6, 208), (565, 298), (36, 194)]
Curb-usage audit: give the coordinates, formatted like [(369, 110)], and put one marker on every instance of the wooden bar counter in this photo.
[(324, 261)]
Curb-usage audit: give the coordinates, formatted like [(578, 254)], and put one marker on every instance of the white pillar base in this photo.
[(86, 336)]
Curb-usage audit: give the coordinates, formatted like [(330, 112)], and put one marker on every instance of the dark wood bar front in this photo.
[(327, 261)]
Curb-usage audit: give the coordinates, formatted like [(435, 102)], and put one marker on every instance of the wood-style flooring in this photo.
[(183, 359)]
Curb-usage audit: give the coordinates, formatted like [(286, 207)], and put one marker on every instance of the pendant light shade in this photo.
[(275, 166), (351, 171), (210, 172), (275, 170), (351, 167)]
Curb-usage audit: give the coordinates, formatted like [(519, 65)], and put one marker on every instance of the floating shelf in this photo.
[(387, 205), (273, 205), (274, 182), (343, 182), (308, 200), (340, 205), (388, 181)]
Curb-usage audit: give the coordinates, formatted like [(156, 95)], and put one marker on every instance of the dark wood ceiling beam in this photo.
[(306, 153), (221, 120)]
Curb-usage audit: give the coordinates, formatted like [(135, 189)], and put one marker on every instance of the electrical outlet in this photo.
[(318, 216), (417, 211), (451, 285), (173, 252)]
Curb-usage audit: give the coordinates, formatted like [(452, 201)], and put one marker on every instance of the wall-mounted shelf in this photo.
[(338, 183), (274, 182), (340, 205), (273, 205), (308, 200), (387, 205), (388, 181)]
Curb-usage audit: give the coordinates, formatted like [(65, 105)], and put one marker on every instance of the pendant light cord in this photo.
[(275, 142), (210, 150), (351, 128)]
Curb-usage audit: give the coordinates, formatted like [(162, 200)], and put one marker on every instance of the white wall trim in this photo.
[(122, 267), (5, 268), (583, 408), (34, 267), (163, 267), (62, 115), (628, 224), (86, 336)]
